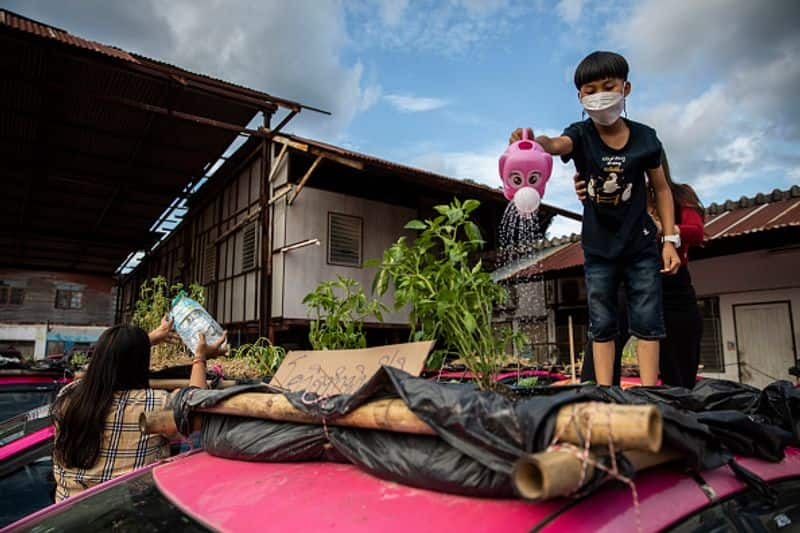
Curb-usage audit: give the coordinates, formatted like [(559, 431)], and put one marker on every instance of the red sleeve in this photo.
[(691, 227)]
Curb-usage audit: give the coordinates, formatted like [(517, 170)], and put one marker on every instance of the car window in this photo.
[(133, 505), (28, 488), (751, 512)]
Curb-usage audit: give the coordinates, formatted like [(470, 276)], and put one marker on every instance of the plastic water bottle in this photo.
[(190, 319)]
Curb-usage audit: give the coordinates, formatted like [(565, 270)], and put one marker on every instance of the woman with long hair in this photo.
[(679, 352), (97, 417)]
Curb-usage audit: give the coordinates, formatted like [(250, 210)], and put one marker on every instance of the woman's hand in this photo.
[(164, 333), (580, 187), (205, 351)]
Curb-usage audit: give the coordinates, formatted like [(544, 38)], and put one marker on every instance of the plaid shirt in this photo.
[(124, 447)]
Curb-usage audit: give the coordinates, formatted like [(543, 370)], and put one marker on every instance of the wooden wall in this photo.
[(217, 245), (97, 300)]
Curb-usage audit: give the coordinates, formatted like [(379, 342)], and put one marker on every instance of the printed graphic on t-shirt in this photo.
[(611, 187)]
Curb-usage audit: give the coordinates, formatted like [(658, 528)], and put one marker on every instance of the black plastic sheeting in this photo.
[(481, 434)]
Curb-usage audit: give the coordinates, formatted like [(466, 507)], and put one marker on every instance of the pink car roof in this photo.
[(233, 495)]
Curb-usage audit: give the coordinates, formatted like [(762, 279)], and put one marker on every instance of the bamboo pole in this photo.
[(387, 415), (572, 351), (546, 475), (632, 426), (172, 384)]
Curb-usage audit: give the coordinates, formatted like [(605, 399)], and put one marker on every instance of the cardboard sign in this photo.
[(332, 372)]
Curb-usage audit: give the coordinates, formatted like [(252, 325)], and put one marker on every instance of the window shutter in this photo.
[(249, 247), (344, 240), (210, 263)]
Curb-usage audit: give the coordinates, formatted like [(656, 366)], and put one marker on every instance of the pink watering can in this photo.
[(525, 168)]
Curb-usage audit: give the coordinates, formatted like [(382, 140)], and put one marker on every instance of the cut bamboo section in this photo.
[(633, 427), (546, 475)]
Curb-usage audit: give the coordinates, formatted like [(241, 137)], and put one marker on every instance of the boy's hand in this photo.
[(672, 260), (580, 187), (516, 135)]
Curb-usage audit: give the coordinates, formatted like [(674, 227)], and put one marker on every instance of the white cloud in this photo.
[(414, 104), (570, 10), (370, 96), (454, 27), (722, 83), (392, 11)]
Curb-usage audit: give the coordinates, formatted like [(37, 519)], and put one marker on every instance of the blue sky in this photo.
[(440, 84)]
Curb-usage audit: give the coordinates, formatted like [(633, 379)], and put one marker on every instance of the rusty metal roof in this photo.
[(46, 31), (762, 212), (97, 142), (734, 218), (18, 22)]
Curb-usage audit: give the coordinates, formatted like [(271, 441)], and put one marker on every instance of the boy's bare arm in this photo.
[(666, 213), (561, 145)]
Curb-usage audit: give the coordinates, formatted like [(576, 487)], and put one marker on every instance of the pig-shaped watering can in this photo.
[(525, 168)]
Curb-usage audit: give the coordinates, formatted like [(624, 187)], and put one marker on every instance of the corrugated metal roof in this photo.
[(46, 31), (87, 166), (763, 212), (21, 23)]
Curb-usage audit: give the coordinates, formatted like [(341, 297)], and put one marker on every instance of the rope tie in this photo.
[(582, 454)]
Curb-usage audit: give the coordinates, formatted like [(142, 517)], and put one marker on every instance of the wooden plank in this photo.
[(305, 179), (281, 193), (293, 144), (358, 165), (278, 163)]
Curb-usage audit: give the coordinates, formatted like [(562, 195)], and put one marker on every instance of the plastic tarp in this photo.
[(481, 434)]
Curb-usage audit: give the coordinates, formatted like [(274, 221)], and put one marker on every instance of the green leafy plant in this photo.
[(451, 297), (78, 359), (338, 310), (261, 354), (155, 300), (530, 381)]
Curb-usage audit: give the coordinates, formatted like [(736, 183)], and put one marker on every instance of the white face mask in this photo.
[(604, 108)]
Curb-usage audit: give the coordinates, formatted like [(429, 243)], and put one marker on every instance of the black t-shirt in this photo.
[(615, 218)]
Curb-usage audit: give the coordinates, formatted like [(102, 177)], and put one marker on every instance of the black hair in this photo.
[(121, 361), (682, 193), (599, 66)]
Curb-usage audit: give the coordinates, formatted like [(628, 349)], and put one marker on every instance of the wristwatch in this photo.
[(674, 239)]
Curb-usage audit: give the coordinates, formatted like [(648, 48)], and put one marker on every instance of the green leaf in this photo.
[(473, 232), (442, 209), (416, 225), (471, 205)]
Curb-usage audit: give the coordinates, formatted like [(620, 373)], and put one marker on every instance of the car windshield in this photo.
[(133, 505), (16, 399)]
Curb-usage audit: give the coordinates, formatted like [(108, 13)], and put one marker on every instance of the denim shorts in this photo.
[(640, 273)]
